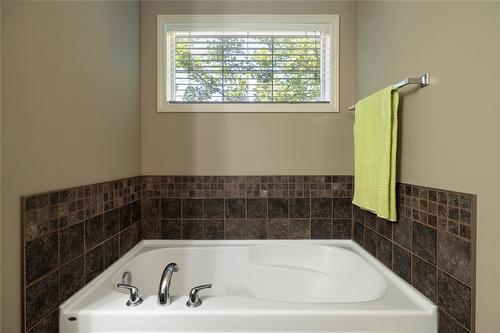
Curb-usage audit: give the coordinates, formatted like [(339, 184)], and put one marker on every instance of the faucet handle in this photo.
[(135, 298), (193, 298), (127, 278)]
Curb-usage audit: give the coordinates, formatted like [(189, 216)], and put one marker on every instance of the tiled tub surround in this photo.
[(70, 236), (431, 246), (247, 207)]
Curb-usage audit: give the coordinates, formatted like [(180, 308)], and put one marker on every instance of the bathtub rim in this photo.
[(147, 245)]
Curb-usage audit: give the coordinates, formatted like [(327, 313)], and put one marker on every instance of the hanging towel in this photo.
[(375, 143)]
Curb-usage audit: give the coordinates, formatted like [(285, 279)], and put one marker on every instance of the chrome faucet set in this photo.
[(164, 297)]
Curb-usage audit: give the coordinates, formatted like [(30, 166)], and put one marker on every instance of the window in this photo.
[(247, 63)]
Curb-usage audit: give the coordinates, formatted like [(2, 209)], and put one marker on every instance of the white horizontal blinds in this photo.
[(235, 27), (250, 67)]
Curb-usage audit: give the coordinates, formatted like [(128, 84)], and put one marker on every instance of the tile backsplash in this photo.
[(72, 235), (247, 207), (431, 246)]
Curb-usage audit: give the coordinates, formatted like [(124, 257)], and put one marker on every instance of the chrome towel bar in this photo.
[(422, 81)]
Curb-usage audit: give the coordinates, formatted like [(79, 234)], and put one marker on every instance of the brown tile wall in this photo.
[(70, 236), (247, 207), (431, 246)]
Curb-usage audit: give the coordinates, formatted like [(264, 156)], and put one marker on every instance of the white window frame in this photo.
[(164, 106)]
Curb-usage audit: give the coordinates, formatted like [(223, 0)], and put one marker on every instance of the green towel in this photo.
[(375, 143)]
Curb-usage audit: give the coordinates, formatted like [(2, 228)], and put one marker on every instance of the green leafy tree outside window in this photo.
[(247, 69)]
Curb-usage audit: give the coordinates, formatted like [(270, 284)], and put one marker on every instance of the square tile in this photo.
[(135, 211), (359, 234), (192, 229), (213, 208), (321, 207), (71, 278), (170, 229), (384, 227), (415, 191), (42, 298), (151, 208), (321, 228), (42, 200), (235, 229), (94, 263), (150, 228), (71, 242), (342, 207), (371, 241), (384, 251), (433, 208), (402, 263), (449, 325), (299, 229), (214, 229), (341, 229), (455, 256), (111, 251), (465, 231), (358, 214), (453, 213), (257, 228), (278, 208), (41, 256), (192, 208), (110, 223), (432, 220), (30, 203), (455, 299), (49, 324), (415, 214), (453, 199), (170, 208), (442, 197), (465, 216), (424, 278), (424, 242), (54, 198), (432, 195), (124, 217), (300, 208), (442, 211), (257, 208), (278, 229), (453, 227), (371, 220), (129, 238), (235, 208), (465, 201), (402, 232), (94, 232)]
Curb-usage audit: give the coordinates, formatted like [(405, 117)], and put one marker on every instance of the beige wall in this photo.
[(70, 109), (70, 112), (250, 143), (451, 129), (0, 169)]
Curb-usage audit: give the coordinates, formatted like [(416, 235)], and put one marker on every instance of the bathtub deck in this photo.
[(99, 308)]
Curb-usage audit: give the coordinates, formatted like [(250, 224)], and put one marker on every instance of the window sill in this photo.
[(249, 107)]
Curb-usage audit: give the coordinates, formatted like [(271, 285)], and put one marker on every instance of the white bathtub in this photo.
[(258, 286)]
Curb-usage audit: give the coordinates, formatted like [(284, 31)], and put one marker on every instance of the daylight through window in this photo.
[(248, 66)]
